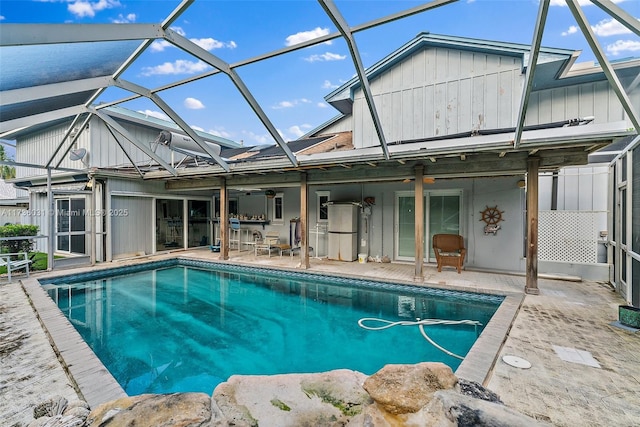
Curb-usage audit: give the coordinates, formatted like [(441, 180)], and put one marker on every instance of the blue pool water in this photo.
[(181, 328)]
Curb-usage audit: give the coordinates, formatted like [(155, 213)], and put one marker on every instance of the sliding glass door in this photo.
[(443, 214), (442, 211)]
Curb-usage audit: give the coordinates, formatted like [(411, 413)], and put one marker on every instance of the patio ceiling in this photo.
[(83, 60)]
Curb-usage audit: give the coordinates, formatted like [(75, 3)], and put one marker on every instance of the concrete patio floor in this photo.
[(584, 368)]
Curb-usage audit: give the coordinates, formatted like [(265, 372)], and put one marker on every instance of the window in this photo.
[(278, 208), (233, 207), (323, 210)]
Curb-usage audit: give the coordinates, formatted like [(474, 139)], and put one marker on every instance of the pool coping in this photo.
[(97, 385)]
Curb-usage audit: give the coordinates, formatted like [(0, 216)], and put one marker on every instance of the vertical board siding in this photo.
[(588, 99), (102, 148), (131, 232), (343, 125), (37, 148), (439, 91), (38, 204)]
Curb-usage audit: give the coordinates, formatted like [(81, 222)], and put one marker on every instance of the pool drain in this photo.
[(516, 362)]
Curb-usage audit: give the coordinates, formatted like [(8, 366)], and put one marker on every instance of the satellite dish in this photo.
[(77, 154)]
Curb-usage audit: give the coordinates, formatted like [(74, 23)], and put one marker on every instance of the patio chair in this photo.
[(234, 235), (449, 250), (270, 242), (20, 260)]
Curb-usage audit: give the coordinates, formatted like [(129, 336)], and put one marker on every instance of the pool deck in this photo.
[(584, 367)]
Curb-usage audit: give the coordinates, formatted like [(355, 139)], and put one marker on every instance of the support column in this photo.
[(107, 225), (304, 222), (531, 286), (93, 218), (224, 220), (419, 222), (51, 242)]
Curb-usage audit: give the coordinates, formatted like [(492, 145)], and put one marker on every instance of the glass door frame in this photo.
[(74, 216), (426, 195)]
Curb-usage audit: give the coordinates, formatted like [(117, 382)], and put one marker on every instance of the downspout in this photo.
[(554, 191)]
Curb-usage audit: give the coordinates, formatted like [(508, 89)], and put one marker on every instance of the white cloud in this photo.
[(303, 36), (609, 27), (623, 46), (290, 104), (2, 18), (208, 44), (121, 19), (260, 139), (296, 131), (221, 132), (156, 114), (572, 30), (564, 2), (193, 104), (327, 56), (198, 128), (322, 104), (159, 45), (328, 85), (283, 104), (178, 67), (179, 30), (82, 8)]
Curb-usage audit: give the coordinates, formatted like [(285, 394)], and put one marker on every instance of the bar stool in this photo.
[(234, 235)]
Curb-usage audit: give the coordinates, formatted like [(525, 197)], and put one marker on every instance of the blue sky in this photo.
[(291, 87)]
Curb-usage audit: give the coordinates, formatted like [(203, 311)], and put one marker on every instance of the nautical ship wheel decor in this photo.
[(491, 217)]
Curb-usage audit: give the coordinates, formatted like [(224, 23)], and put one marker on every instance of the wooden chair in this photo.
[(449, 250)]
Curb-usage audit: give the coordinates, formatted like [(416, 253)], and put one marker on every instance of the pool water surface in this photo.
[(185, 328)]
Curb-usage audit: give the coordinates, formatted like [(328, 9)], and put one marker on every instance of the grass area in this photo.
[(39, 260)]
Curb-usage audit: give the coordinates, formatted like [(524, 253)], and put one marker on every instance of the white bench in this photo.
[(14, 262)]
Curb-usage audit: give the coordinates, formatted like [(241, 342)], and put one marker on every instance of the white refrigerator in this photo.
[(342, 231)]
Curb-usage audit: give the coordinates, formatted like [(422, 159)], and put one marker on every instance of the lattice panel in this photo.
[(568, 236)]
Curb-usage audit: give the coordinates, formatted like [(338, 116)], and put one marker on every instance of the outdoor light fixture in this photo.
[(270, 194)]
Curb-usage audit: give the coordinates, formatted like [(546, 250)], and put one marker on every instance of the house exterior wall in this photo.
[(344, 124), (624, 235), (38, 147), (440, 91), (502, 251), (105, 151), (102, 148), (595, 99), (132, 228), (37, 207)]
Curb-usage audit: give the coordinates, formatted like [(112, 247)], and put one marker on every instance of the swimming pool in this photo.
[(189, 325)]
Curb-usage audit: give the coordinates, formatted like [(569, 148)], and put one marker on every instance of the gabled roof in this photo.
[(157, 123), (553, 67), (271, 151)]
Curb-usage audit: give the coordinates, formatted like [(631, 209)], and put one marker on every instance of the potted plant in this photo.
[(629, 316), (270, 194)]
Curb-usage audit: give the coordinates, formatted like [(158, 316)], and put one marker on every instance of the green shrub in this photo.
[(17, 230)]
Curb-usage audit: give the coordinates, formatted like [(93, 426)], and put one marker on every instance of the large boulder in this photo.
[(154, 410), (405, 389), (332, 398), (426, 394), (450, 408)]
